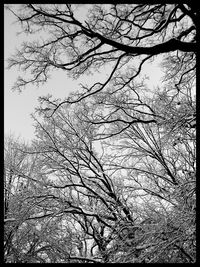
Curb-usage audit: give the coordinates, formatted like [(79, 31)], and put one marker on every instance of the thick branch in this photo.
[(168, 46)]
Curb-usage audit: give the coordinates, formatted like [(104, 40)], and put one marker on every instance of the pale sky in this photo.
[(19, 106)]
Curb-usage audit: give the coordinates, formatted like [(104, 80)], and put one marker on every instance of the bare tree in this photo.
[(115, 176), (123, 37), (115, 34), (17, 168), (67, 149)]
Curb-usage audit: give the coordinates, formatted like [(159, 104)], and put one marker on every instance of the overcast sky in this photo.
[(19, 106)]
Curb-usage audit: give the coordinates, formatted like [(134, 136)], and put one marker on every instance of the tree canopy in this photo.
[(110, 175)]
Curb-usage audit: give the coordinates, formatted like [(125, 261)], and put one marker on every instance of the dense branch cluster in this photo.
[(110, 175)]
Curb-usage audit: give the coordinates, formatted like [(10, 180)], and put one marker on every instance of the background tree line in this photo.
[(110, 175)]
